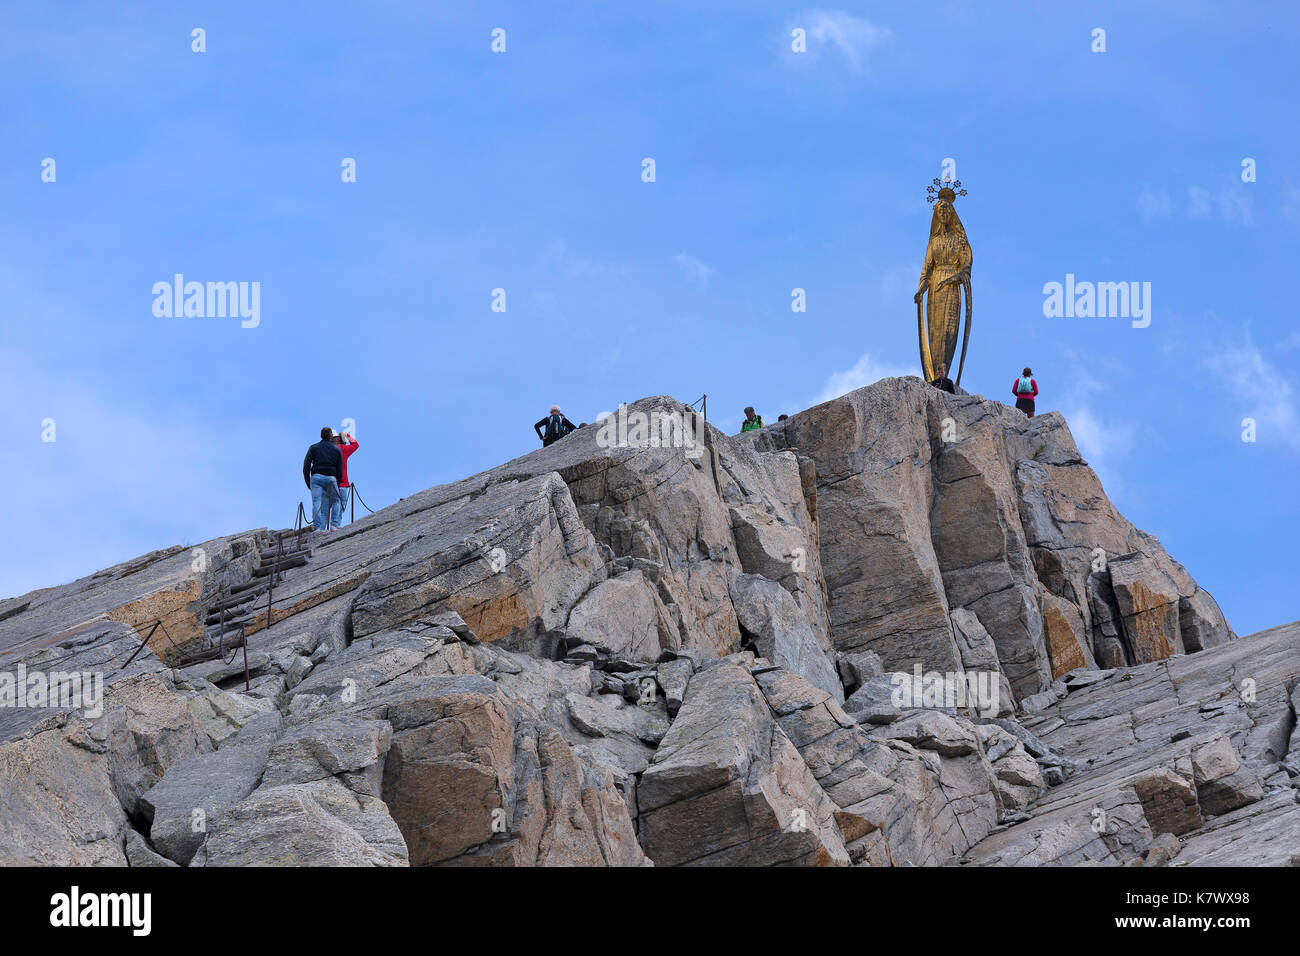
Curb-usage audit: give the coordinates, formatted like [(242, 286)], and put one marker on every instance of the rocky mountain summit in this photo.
[(900, 628)]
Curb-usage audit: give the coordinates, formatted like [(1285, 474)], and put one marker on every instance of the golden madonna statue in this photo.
[(944, 274)]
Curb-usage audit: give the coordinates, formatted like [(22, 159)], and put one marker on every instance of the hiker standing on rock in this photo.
[(556, 427), (752, 422), (1026, 390), (321, 470), (347, 445), (942, 381)]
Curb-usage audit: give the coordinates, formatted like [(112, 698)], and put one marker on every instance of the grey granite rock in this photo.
[(610, 651)]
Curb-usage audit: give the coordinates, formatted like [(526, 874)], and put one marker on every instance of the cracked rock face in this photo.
[(639, 653), (1189, 746)]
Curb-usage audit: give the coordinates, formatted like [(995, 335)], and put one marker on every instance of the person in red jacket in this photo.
[(347, 445), (1026, 390)]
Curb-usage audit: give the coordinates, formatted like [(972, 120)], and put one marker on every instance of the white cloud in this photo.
[(898, 280), (1291, 203), (1154, 204), (1084, 382), (693, 266), (851, 35), (1101, 440), (1198, 202), (1261, 389), (577, 266), (865, 371), (1233, 204), (1237, 206), (1098, 441), (116, 483)]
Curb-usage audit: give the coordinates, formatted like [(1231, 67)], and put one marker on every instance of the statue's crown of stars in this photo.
[(947, 189)]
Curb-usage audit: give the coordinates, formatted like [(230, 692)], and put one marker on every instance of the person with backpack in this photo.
[(752, 422), (321, 470), (1026, 390), (556, 427), (347, 445)]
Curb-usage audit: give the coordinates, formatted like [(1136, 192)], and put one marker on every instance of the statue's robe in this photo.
[(947, 254)]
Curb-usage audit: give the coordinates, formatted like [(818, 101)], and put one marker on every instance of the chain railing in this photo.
[(353, 498)]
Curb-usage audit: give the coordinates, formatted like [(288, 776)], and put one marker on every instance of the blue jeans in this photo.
[(324, 493), (340, 506)]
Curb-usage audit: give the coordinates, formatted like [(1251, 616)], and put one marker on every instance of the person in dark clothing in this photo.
[(1025, 388), (321, 470), (554, 427), (942, 381)]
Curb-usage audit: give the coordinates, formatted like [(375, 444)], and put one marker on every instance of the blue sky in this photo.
[(522, 170)]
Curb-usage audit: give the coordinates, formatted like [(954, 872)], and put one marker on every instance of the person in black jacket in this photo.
[(321, 470), (556, 427), (942, 381)]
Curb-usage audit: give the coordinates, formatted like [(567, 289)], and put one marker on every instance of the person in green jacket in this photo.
[(752, 422)]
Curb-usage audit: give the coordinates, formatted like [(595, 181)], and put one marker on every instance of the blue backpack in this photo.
[(555, 428)]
